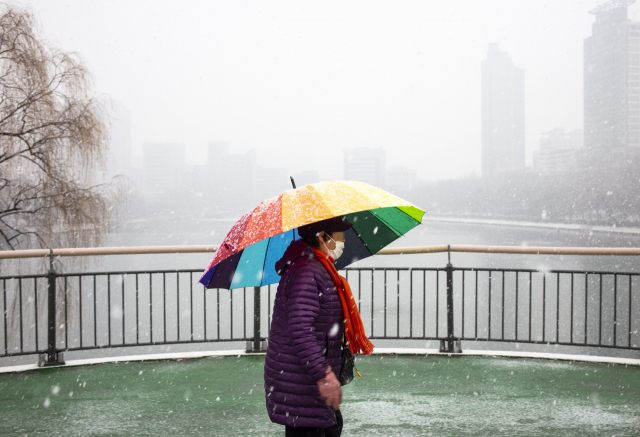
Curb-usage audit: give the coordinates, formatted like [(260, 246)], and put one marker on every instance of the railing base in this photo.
[(450, 347), (57, 361), (251, 347)]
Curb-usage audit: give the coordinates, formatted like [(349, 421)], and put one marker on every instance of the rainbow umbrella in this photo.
[(248, 254)]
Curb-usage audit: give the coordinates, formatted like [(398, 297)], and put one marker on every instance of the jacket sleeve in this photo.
[(304, 308)]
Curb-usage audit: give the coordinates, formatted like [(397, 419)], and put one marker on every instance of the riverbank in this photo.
[(522, 224)]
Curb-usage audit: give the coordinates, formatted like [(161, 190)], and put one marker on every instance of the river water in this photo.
[(173, 231), (187, 230)]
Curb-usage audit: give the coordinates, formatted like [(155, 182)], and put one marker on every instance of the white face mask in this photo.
[(337, 252)]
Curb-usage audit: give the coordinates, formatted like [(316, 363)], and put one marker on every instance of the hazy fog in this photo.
[(289, 78)]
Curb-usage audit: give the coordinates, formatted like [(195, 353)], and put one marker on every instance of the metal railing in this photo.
[(59, 312), (554, 307), (96, 310)]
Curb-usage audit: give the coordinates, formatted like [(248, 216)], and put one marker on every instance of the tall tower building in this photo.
[(502, 114), (611, 80)]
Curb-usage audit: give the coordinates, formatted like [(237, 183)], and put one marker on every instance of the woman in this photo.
[(303, 357)]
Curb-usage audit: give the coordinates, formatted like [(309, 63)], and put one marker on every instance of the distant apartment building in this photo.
[(401, 179), (232, 177), (559, 151), (612, 81), (270, 182), (163, 166), (366, 165), (502, 114), (193, 179)]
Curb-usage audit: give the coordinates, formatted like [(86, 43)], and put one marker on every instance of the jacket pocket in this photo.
[(326, 345), (323, 342)]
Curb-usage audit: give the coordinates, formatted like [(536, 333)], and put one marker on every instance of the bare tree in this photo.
[(53, 141)]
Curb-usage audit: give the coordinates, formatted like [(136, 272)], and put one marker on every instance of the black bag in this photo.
[(347, 366)]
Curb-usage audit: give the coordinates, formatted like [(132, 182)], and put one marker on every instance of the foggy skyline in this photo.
[(288, 78)]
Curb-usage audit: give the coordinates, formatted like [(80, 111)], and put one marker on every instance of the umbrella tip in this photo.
[(292, 182)]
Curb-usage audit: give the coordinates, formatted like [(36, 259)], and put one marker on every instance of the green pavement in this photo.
[(396, 396)]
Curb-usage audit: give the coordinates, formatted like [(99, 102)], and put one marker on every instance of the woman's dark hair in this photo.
[(308, 233), (312, 241)]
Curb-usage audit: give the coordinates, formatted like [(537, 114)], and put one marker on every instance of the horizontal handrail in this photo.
[(347, 269), (94, 251), (625, 251), (140, 250)]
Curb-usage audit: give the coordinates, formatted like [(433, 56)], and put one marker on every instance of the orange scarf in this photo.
[(353, 327)]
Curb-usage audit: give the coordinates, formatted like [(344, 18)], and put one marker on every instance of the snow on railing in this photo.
[(139, 250)]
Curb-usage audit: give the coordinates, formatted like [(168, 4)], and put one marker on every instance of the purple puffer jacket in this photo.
[(305, 338)]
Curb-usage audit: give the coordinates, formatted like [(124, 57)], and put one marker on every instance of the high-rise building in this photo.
[(366, 165), (559, 151), (611, 80), (502, 114)]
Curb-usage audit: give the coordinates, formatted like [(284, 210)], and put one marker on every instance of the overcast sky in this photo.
[(300, 81)]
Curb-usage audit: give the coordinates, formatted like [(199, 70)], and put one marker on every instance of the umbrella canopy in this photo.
[(248, 254)]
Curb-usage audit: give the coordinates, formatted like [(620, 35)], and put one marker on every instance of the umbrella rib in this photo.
[(402, 234), (264, 263), (363, 242)]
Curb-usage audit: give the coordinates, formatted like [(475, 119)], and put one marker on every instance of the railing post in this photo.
[(256, 344), (51, 358), (450, 346)]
